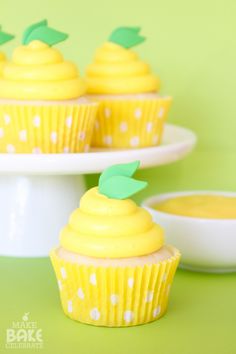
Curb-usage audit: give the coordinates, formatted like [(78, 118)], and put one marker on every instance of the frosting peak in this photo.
[(36, 53), (117, 70), (38, 71), (105, 227)]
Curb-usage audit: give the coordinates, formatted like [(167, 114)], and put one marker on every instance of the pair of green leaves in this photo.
[(5, 37), (126, 37), (116, 182), (40, 31)]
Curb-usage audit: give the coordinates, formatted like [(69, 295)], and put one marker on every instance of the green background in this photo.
[(192, 47)]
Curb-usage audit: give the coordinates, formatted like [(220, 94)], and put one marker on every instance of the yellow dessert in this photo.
[(117, 70), (4, 37), (95, 228), (42, 104), (112, 266), (200, 206), (131, 113), (2, 62), (39, 72)]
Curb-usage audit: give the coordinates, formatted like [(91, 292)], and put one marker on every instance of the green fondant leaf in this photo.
[(47, 35), (121, 187), (127, 37), (5, 37), (40, 31), (126, 169), (135, 29), (31, 28)]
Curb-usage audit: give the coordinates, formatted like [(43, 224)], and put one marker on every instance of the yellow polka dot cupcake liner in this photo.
[(130, 123), (55, 128), (115, 296)]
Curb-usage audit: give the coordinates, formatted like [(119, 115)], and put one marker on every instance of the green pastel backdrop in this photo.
[(191, 45)]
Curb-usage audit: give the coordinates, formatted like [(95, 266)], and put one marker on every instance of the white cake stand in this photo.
[(38, 192)]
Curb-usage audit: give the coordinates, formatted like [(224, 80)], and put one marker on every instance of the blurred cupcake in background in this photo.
[(131, 112), (4, 37), (42, 104)]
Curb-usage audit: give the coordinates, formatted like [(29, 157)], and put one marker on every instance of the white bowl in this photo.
[(207, 245)]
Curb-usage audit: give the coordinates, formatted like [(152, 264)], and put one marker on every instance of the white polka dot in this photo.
[(69, 306), (107, 112), (86, 148), (138, 113), (149, 127), (63, 273), (66, 149), (114, 299), (36, 150), (69, 122), (7, 119), (53, 137), (161, 112), (11, 149), (149, 296), (23, 135), (1, 132), (131, 282), (81, 136), (123, 127), (155, 139), (96, 124), (95, 314), (93, 279), (156, 311), (36, 121), (80, 293), (128, 316), (107, 140), (59, 284), (134, 141), (164, 277), (167, 289)]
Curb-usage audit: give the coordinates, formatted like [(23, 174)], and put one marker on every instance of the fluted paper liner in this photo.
[(26, 128), (130, 123), (115, 296)]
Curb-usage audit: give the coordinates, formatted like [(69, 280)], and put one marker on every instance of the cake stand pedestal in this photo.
[(38, 192)]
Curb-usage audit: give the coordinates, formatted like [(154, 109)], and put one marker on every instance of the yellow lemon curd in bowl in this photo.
[(206, 206)]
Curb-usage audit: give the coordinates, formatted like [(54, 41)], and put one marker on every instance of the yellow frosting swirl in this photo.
[(112, 228), (38, 71), (2, 62), (117, 70)]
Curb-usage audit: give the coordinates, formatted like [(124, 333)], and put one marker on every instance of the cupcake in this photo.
[(42, 104), (112, 266), (131, 112), (4, 37)]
